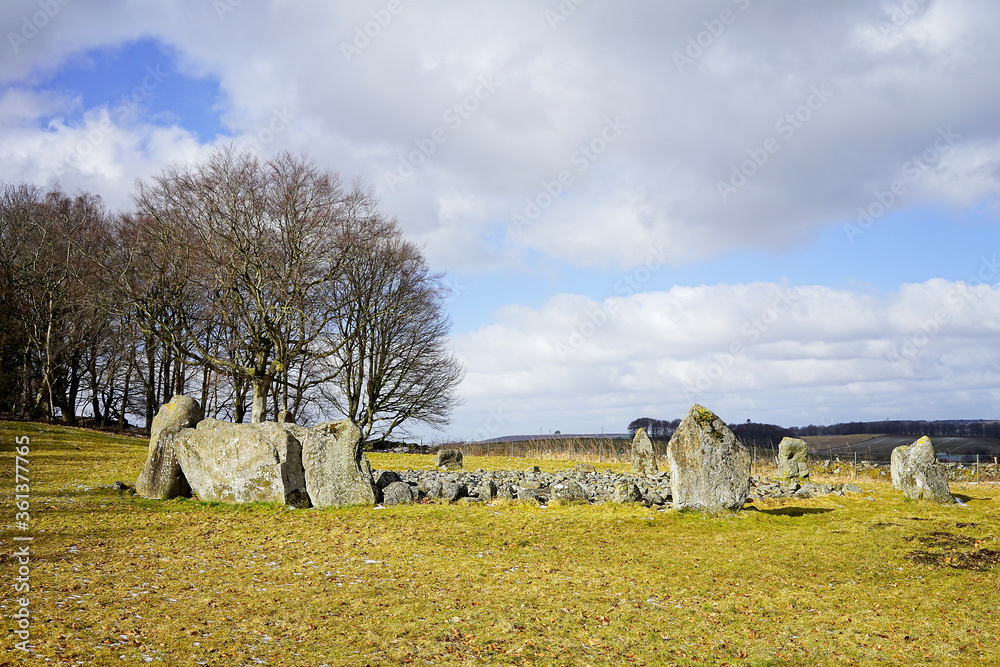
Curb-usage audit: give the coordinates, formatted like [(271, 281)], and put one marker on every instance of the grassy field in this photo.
[(115, 579)]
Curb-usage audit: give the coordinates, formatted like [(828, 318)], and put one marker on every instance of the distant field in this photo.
[(819, 443), (865, 579), (880, 447)]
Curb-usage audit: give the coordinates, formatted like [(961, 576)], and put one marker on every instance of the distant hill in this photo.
[(557, 436)]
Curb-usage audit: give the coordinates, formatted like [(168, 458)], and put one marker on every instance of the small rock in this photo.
[(626, 492), (432, 488), (449, 459), (386, 477), (568, 490), (398, 493), (487, 490), (452, 491)]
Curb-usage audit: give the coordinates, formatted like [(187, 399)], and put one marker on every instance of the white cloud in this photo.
[(893, 87), (764, 351)]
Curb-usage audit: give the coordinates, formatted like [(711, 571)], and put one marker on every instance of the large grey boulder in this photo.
[(337, 471), (449, 459), (709, 466), (243, 463), (792, 459), (643, 459), (161, 476), (915, 472)]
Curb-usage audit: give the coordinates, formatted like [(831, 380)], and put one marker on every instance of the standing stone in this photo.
[(161, 475), (449, 459), (709, 466), (643, 458), (915, 472), (792, 459), (243, 463), (337, 471)]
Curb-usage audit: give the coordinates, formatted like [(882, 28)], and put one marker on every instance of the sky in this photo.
[(785, 211)]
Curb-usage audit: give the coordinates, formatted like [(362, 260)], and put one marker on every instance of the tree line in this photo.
[(258, 286), (964, 428)]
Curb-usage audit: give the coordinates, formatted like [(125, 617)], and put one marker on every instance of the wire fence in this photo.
[(842, 461)]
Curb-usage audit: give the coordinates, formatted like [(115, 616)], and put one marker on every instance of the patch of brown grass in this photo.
[(121, 580)]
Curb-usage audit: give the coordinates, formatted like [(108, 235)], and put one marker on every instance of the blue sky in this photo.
[(708, 169), (114, 76)]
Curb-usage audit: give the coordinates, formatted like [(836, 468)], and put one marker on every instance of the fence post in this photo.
[(977, 468), (855, 464)]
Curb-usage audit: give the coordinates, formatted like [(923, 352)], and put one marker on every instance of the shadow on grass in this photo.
[(965, 499), (796, 511)]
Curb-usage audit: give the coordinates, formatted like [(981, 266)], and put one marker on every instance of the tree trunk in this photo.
[(69, 409), (240, 398), (206, 378), (261, 385), (166, 380), (95, 389), (28, 403), (179, 368), (124, 407), (150, 382)]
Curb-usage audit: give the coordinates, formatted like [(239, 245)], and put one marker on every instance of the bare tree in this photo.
[(53, 244), (260, 244), (394, 365)]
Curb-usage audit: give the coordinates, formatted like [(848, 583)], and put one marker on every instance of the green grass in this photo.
[(827, 581)]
